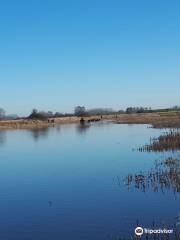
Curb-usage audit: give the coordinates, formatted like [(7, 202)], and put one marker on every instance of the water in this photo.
[(68, 183)]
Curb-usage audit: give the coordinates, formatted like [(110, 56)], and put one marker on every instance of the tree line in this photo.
[(81, 111)]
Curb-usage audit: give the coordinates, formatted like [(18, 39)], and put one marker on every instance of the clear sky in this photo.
[(56, 54)]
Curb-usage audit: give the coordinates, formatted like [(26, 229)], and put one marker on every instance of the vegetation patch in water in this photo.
[(169, 141), (165, 176)]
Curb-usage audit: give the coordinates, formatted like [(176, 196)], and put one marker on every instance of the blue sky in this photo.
[(57, 54)]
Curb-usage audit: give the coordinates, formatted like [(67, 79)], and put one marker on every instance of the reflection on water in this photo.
[(2, 137), (64, 186), (38, 133), (58, 127), (82, 128)]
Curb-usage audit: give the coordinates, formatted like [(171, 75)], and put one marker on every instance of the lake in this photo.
[(69, 182)]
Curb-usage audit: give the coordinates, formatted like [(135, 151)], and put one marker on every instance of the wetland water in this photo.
[(71, 183)]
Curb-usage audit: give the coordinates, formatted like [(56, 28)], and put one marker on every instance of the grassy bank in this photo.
[(29, 123), (157, 120)]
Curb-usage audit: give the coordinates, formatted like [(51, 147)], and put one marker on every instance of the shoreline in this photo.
[(157, 120), (37, 124)]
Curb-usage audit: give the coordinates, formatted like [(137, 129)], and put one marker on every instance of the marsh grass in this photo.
[(169, 141), (165, 176)]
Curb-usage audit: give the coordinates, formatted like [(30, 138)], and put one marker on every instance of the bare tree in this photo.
[(80, 111), (38, 115)]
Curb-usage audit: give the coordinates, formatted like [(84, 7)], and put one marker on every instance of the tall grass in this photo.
[(169, 141)]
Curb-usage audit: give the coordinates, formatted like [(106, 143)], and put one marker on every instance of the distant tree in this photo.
[(34, 111), (129, 110), (58, 114), (68, 114), (80, 111), (2, 113), (38, 115), (50, 114), (121, 111), (176, 107), (138, 110), (11, 117), (100, 111)]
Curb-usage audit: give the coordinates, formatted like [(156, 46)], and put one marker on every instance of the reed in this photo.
[(165, 176), (169, 141)]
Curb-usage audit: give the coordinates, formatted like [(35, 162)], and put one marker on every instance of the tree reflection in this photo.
[(58, 127), (82, 128), (38, 133), (2, 137)]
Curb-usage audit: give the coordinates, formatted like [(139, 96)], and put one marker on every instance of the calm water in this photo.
[(68, 183)]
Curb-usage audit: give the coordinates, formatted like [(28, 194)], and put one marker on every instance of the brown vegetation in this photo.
[(39, 123), (165, 176), (157, 120), (169, 141)]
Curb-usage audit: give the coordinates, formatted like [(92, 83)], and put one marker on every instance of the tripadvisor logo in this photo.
[(139, 231)]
